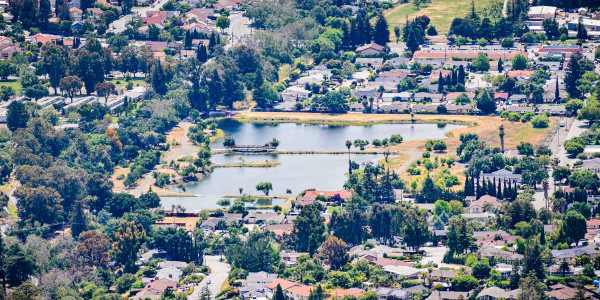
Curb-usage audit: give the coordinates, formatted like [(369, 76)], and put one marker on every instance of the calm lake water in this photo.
[(296, 172), (324, 137)]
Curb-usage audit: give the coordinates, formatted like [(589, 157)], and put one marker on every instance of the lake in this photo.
[(324, 137), (296, 172)]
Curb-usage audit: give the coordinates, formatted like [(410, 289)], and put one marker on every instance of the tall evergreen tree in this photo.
[(381, 33), (461, 74), (202, 54), (78, 220), (440, 88), (500, 66), (279, 293), (556, 92), (573, 74)]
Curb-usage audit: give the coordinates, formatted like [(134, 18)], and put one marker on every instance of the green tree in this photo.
[(574, 226), (485, 103), (481, 63), (71, 85), (381, 33), (335, 251), (19, 265), (129, 238), (265, 96), (17, 116), (573, 105), (223, 22), (308, 229), (105, 89), (416, 230), (260, 252), (464, 283), (572, 76), (519, 62), (265, 187), (279, 293), (460, 236)]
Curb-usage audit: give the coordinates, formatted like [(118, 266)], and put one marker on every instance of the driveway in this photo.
[(219, 272)]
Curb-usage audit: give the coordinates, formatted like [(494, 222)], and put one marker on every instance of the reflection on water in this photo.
[(296, 172)]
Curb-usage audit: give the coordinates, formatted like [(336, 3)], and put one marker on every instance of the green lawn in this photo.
[(136, 82), (441, 13), (15, 84)]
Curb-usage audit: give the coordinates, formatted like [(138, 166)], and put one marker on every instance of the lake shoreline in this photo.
[(354, 119)]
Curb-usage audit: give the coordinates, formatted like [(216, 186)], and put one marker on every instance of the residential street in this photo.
[(119, 25), (238, 29), (219, 272), (573, 128)]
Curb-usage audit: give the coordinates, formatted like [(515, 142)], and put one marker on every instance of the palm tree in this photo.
[(348, 145), (558, 205), (545, 186), (501, 134)]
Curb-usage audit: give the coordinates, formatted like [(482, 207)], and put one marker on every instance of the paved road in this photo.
[(238, 29), (572, 129), (219, 272), (120, 24), (186, 147)]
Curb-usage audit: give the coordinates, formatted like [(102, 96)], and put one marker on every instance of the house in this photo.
[(447, 295), (366, 94), (520, 74), (8, 48), (154, 289), (299, 292), (493, 293), (423, 96), (504, 269), (339, 293), (257, 217), (295, 93), (76, 14), (451, 97), (442, 275), (563, 292), (396, 107), (566, 50), (196, 14), (375, 63), (387, 293), (478, 216), (424, 108), (570, 254), (502, 175), (41, 38), (199, 42), (369, 49), (480, 205), (592, 165), (459, 109), (516, 98), (259, 278), (198, 27), (157, 46), (391, 97), (501, 96), (553, 110), (542, 12), (403, 271), (517, 108), (285, 285), (290, 258), (499, 255), (398, 74), (357, 108)]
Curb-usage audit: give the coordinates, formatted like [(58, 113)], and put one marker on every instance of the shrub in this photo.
[(540, 121)]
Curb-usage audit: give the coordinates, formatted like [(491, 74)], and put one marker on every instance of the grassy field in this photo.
[(441, 12), (121, 82), (15, 84)]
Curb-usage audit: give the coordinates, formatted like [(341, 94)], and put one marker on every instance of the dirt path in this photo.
[(185, 147)]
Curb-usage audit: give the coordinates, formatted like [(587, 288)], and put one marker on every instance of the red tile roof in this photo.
[(340, 293), (302, 290), (285, 284)]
